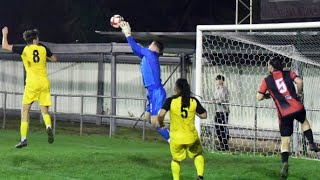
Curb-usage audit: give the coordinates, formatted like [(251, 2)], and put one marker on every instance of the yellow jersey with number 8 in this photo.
[(34, 59), (37, 87)]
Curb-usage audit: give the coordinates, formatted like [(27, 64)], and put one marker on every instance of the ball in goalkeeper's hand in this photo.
[(115, 20)]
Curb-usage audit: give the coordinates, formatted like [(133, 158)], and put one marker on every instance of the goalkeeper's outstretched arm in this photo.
[(136, 48), (5, 44)]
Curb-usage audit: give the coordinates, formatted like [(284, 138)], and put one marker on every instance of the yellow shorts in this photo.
[(179, 151), (37, 92)]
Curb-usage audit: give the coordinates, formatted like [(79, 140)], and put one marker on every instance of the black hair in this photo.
[(184, 91), (276, 63), (220, 77), (159, 45), (30, 35)]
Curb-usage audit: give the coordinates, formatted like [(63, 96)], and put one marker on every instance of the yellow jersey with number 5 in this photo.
[(182, 127), (34, 59)]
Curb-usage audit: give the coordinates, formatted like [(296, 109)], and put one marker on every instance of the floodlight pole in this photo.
[(248, 6)]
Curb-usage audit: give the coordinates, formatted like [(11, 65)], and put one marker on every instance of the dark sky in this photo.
[(65, 21)]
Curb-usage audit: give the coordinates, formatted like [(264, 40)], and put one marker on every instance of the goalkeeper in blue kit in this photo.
[(150, 70)]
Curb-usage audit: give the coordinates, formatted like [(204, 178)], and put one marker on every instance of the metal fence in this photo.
[(109, 117), (91, 83)]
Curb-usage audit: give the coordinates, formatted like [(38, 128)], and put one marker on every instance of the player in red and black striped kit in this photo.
[(281, 88)]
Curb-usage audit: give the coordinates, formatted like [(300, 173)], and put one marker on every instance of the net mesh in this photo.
[(241, 57)]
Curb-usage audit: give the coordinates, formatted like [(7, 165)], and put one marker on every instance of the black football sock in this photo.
[(309, 136), (284, 157)]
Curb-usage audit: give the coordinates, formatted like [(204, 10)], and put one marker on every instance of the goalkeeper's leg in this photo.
[(156, 100), (163, 131), (24, 125)]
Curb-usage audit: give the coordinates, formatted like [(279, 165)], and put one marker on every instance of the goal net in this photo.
[(240, 53)]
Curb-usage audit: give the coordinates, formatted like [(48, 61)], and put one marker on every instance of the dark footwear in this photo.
[(50, 135), (22, 144), (314, 147), (284, 170), (200, 178)]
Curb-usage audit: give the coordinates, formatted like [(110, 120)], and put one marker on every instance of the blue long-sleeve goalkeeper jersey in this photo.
[(149, 65)]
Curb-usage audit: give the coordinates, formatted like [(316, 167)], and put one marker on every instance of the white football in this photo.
[(115, 20)]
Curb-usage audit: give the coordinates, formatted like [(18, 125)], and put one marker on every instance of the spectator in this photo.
[(221, 97)]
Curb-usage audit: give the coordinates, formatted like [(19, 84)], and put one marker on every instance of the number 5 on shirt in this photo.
[(184, 112), (281, 85)]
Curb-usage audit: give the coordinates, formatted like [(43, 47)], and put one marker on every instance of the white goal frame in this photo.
[(248, 27)]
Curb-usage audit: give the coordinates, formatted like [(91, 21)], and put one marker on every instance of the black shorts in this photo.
[(286, 123)]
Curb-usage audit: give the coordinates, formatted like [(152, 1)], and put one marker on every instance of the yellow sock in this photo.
[(175, 168), (47, 120), (199, 163), (24, 130)]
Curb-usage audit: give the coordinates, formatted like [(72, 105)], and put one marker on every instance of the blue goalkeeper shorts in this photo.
[(156, 96)]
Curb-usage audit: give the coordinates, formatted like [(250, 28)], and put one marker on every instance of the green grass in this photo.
[(99, 157)]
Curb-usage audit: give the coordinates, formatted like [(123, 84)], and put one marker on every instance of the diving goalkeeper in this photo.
[(150, 70)]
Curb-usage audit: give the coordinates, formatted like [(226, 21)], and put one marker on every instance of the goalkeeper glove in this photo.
[(126, 29), (266, 96)]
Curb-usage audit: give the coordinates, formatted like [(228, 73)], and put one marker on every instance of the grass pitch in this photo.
[(127, 158)]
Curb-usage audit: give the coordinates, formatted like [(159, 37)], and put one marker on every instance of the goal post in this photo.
[(240, 53), (250, 27), (198, 74)]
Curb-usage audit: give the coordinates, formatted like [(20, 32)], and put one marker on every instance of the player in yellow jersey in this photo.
[(34, 56), (183, 134)]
